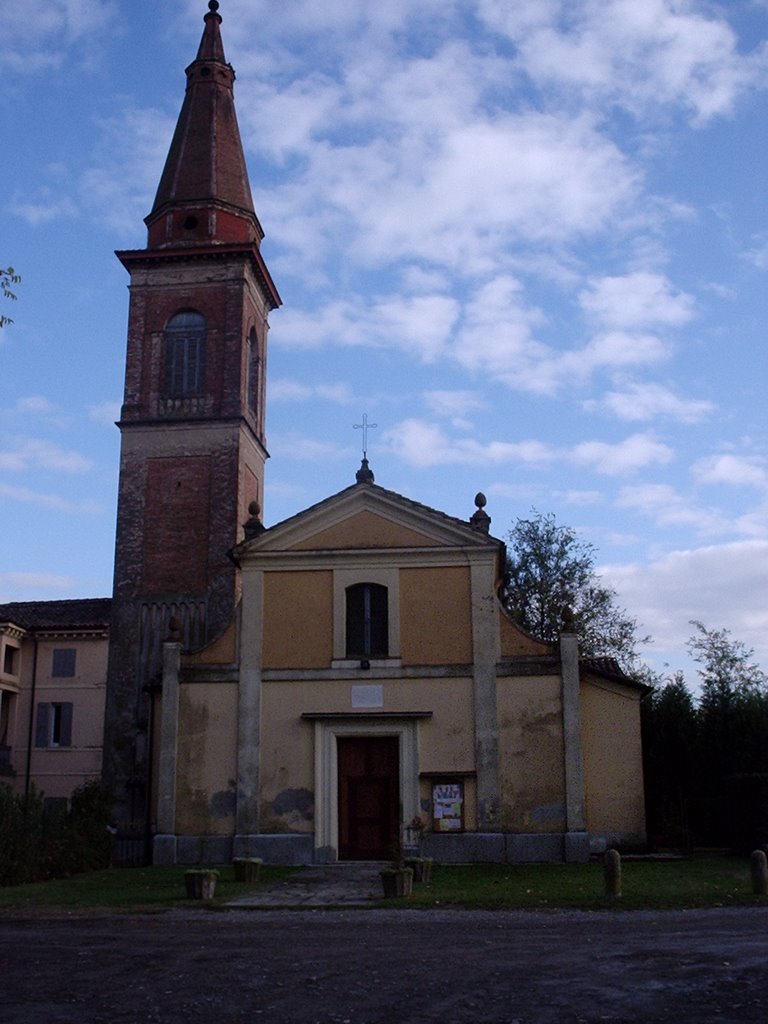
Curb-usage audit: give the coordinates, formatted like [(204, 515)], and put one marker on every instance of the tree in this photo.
[(8, 277), (733, 707), (706, 755), (670, 749), (550, 568)]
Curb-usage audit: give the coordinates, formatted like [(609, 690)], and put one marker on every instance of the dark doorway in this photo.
[(369, 796)]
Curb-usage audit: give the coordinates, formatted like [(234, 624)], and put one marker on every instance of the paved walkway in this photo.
[(349, 884)]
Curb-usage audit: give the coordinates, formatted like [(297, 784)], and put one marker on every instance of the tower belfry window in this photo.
[(185, 355)]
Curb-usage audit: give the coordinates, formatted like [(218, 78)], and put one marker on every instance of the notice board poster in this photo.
[(447, 806)]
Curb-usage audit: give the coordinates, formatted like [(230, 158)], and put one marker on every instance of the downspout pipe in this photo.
[(30, 731)]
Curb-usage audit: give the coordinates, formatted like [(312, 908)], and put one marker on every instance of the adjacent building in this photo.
[(53, 681)]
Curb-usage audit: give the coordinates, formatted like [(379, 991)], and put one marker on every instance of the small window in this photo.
[(185, 355), (11, 660), (54, 725), (64, 660), (367, 621), (254, 373)]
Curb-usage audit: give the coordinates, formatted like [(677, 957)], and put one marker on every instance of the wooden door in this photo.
[(369, 796)]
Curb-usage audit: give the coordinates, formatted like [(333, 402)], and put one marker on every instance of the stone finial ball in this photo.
[(480, 500), (254, 508)]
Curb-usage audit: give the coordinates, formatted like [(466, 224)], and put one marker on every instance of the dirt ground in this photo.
[(385, 966)]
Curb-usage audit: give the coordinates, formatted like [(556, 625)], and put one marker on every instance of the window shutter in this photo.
[(379, 639), (355, 622), (65, 739), (41, 726), (64, 660)]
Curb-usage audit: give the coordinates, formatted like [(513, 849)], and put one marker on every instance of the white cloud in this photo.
[(422, 444), (580, 497), (641, 56), (106, 413), (735, 470), (285, 389), (636, 301), (722, 585), (37, 405), (38, 34), (419, 324), (47, 206), (119, 186), (627, 456), (23, 453), (50, 501), (758, 254), (454, 405), (666, 507), (649, 401), (294, 446), (25, 586), (496, 337)]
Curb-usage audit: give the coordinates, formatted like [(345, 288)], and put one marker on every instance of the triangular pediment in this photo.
[(365, 517)]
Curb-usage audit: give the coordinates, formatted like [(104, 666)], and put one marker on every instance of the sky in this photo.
[(528, 239)]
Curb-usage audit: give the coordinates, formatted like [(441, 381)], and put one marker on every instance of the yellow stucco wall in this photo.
[(207, 758), (613, 759), (435, 616), (514, 641), (446, 740), (221, 651), (366, 530), (531, 754), (298, 619)]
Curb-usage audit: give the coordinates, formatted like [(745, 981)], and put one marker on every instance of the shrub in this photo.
[(38, 842)]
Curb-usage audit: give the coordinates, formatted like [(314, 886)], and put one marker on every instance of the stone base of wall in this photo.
[(276, 849), (456, 848), (599, 842), (507, 848)]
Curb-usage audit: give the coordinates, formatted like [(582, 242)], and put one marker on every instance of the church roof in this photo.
[(609, 668), (90, 613), (369, 494), (206, 165)]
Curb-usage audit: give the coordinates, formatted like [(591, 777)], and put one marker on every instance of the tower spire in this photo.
[(192, 422), (204, 195)]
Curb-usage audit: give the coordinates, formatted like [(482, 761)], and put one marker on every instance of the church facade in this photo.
[(336, 684)]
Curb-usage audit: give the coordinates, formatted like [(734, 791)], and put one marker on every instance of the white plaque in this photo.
[(370, 695)]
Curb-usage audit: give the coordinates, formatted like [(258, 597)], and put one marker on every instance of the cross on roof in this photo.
[(365, 426)]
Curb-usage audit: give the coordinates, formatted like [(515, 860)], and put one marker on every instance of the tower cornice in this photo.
[(135, 258)]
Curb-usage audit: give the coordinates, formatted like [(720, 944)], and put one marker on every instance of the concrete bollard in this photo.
[(612, 873), (758, 866)]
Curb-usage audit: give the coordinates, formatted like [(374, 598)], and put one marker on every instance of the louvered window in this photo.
[(185, 355)]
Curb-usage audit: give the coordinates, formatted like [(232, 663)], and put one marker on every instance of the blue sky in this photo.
[(528, 239)]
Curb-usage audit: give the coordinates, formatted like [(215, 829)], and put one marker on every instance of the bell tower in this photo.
[(192, 421)]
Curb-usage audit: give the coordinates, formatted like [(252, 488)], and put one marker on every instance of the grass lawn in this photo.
[(138, 889), (701, 881)]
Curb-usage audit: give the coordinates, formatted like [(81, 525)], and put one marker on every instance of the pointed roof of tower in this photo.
[(204, 193)]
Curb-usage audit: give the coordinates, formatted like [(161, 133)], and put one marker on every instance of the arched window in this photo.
[(367, 621), (254, 373), (185, 355)]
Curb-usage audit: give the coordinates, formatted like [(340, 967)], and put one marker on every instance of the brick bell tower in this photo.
[(192, 421)]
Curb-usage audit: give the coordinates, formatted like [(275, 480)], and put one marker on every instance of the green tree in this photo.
[(732, 710), (550, 568), (670, 757), (706, 755), (8, 278)]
